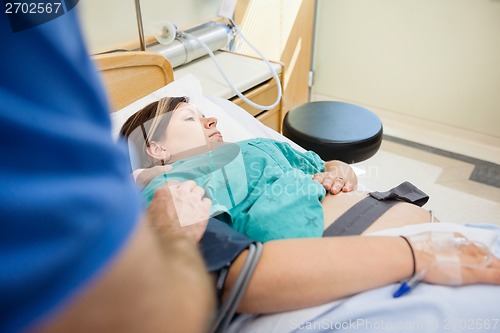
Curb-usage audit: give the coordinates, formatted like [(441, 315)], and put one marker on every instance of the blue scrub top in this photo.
[(67, 203), (260, 187)]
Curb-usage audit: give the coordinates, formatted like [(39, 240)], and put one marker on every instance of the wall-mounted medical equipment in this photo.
[(181, 47)]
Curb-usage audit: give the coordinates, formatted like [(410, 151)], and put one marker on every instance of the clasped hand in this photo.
[(177, 208), (337, 177), (180, 209)]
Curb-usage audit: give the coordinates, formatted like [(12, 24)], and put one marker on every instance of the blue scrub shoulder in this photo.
[(68, 204)]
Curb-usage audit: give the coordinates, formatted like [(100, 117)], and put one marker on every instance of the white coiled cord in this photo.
[(229, 82)]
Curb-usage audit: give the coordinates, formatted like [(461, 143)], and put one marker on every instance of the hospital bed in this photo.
[(135, 79)]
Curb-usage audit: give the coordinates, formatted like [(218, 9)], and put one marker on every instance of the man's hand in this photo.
[(338, 176), (180, 209)]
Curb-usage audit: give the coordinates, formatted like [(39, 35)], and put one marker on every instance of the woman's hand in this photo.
[(451, 259), (180, 209), (458, 274), (338, 176)]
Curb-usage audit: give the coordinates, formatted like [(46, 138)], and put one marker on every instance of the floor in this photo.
[(461, 176)]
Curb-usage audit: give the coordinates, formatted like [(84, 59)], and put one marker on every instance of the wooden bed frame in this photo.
[(129, 76)]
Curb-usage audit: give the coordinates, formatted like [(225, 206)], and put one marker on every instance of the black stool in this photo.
[(335, 130)]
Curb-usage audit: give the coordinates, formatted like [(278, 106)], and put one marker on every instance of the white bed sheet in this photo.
[(428, 308)]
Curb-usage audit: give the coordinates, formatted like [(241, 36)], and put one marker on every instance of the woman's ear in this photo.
[(157, 152)]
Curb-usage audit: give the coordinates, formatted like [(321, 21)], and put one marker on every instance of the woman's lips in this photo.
[(216, 137)]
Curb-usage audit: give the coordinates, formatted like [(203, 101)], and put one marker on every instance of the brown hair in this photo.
[(146, 125)]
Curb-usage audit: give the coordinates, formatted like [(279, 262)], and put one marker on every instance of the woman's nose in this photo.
[(211, 122)]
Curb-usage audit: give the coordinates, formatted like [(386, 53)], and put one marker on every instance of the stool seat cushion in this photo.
[(335, 130)]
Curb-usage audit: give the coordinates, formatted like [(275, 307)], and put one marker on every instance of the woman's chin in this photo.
[(216, 138)]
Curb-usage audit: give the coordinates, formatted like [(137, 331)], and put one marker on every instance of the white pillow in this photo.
[(189, 86)]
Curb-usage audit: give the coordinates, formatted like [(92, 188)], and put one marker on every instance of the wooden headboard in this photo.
[(129, 76)]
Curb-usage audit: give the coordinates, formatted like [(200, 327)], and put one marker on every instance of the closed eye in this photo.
[(189, 119)]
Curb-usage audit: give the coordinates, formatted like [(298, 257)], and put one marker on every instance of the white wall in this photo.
[(110, 23), (437, 60)]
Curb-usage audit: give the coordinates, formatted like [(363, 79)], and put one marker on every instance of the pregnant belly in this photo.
[(398, 215)]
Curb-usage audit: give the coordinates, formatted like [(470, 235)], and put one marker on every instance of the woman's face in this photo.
[(189, 129)]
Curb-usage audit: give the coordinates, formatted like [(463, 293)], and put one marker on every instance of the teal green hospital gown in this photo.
[(260, 187)]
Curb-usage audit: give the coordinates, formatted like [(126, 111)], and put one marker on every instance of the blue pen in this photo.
[(407, 286)]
